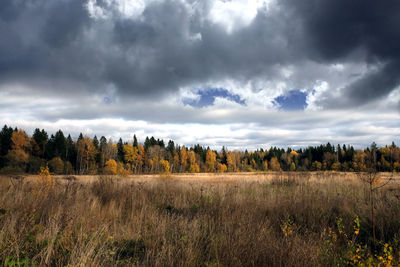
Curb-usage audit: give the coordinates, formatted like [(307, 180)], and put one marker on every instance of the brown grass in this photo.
[(201, 220)]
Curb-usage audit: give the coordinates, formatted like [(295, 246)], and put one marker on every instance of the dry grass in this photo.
[(203, 220)]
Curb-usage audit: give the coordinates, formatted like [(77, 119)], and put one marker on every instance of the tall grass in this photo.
[(163, 222)]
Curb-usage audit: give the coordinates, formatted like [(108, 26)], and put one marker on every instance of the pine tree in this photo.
[(120, 148), (50, 148), (153, 141), (59, 145), (171, 147), (147, 143), (223, 158), (70, 150), (41, 138), (96, 142), (5, 144)]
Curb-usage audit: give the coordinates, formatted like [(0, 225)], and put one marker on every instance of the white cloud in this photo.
[(320, 88), (359, 130), (233, 14), (225, 124), (131, 9)]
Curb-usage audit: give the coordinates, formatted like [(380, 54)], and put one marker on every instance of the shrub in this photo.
[(111, 167), (56, 165)]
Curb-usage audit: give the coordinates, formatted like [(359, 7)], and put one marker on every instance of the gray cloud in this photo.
[(340, 31), (171, 46), (58, 61), (165, 49)]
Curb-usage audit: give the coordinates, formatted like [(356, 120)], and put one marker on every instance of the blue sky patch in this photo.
[(207, 97), (293, 100), (107, 100)]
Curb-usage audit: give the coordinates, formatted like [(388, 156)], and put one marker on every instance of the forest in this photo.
[(21, 153)]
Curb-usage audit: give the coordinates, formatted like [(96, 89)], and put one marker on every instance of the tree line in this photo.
[(21, 153)]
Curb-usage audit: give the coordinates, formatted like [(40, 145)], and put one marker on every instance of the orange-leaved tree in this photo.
[(18, 156)]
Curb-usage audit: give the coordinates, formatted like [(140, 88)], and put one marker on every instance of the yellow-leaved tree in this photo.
[(194, 167), (183, 155), (46, 182), (18, 156), (165, 166), (274, 164), (229, 161), (131, 154), (110, 167), (221, 167), (211, 158), (292, 167), (86, 153)]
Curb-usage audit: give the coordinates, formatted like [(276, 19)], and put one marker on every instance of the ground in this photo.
[(229, 219)]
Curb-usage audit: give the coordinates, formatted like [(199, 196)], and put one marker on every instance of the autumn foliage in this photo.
[(21, 153)]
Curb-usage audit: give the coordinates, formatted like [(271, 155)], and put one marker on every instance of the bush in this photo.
[(111, 167), (12, 170), (56, 165), (34, 164), (68, 169)]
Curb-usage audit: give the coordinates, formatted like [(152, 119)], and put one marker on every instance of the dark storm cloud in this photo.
[(336, 30), (44, 43), (169, 48), (375, 85), (64, 23), (58, 44), (166, 49), (10, 9)]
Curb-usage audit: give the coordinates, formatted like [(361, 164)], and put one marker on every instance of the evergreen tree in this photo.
[(329, 148), (41, 138), (120, 148), (103, 143), (339, 154), (70, 150), (50, 148), (171, 147), (135, 142), (97, 149), (223, 158), (160, 143), (147, 143), (96, 142), (59, 145), (153, 141), (5, 144)]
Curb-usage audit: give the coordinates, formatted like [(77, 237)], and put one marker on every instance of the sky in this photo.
[(244, 74)]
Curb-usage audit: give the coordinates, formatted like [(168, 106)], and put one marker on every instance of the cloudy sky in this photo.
[(239, 73)]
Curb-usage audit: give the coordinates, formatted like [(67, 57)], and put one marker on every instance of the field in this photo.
[(233, 219)]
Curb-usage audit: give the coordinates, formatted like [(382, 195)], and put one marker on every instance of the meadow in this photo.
[(230, 219)]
